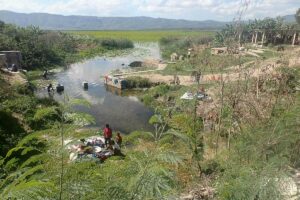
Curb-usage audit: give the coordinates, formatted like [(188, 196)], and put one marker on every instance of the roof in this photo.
[(10, 52)]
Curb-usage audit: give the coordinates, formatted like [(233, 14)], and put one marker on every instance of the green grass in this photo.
[(206, 63), (269, 54), (144, 35)]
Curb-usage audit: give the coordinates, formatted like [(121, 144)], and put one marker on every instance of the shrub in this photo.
[(180, 45), (134, 137), (16, 156), (160, 90), (33, 140), (10, 132), (147, 99), (45, 117), (210, 167), (24, 89), (137, 82), (117, 44), (22, 104)]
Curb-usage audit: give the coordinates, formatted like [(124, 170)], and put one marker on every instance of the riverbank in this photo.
[(122, 110), (221, 138)]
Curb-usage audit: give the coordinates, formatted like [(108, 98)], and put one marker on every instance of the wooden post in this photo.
[(294, 38), (262, 40), (257, 87), (256, 37)]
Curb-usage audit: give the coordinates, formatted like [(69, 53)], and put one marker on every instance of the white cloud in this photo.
[(258, 8), (192, 9), (84, 7), (20, 6), (169, 6)]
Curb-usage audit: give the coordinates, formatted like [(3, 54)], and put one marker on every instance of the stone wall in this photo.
[(3, 63), (13, 57)]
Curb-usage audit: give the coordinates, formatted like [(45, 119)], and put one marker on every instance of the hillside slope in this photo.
[(60, 22)]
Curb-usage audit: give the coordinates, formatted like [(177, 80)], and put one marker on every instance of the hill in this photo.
[(60, 22), (289, 18)]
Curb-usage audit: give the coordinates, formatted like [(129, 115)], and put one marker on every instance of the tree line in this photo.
[(47, 49), (267, 31)]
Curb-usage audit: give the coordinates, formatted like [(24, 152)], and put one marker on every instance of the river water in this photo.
[(123, 113)]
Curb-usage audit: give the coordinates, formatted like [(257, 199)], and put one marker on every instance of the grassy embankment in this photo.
[(173, 161), (203, 59), (144, 35), (254, 137)]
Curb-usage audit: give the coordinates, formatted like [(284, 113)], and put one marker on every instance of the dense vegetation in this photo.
[(242, 145), (180, 45), (46, 49), (144, 36), (21, 112), (275, 31)]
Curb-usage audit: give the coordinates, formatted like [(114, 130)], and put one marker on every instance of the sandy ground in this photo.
[(13, 77), (235, 72)]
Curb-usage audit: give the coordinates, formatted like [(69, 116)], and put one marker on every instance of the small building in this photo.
[(12, 58), (116, 82), (3, 63), (136, 64)]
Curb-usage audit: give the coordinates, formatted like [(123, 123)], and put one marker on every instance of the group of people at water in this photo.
[(110, 146)]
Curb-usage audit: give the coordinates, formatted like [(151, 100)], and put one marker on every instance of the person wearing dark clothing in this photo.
[(116, 149), (107, 133), (50, 88), (45, 74), (14, 68)]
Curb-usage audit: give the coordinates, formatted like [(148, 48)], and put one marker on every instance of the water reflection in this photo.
[(123, 113), (113, 90)]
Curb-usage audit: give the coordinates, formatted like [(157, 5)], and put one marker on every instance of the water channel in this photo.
[(124, 113)]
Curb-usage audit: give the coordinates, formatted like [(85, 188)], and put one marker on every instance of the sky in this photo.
[(221, 10)]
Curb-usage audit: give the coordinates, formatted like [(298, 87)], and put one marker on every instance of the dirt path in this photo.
[(296, 178), (14, 77), (236, 73)]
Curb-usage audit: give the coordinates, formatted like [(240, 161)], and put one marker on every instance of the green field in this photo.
[(144, 36)]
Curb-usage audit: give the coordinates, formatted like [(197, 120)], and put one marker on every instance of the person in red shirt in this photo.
[(107, 133)]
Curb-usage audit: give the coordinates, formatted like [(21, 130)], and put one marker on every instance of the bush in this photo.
[(180, 45), (160, 90), (137, 82), (134, 137), (45, 117), (22, 104), (16, 156), (24, 89), (147, 99), (117, 44), (210, 167), (33, 140), (11, 132)]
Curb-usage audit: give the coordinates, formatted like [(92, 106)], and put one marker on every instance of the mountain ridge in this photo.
[(78, 22)]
